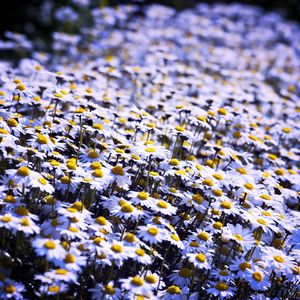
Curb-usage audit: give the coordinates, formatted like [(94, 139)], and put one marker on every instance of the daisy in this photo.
[(257, 278), (136, 285), (42, 143), (23, 175), (152, 279), (125, 210), (48, 247), (10, 289), (141, 198), (101, 223), (120, 176), (73, 261), (116, 251), (9, 221), (106, 292), (200, 260), (42, 184), (164, 208), (28, 226), (152, 234), (62, 275), (240, 266), (182, 277), (278, 259), (240, 235), (174, 239), (221, 289), (52, 289), (142, 257), (173, 292)]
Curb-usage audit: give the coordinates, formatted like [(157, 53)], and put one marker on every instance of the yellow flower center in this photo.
[(73, 229), (173, 289), (6, 219), (53, 289), (138, 281), (244, 265), (50, 245), (21, 211), (249, 186), (185, 273), (175, 237), (272, 156), (279, 258), (101, 220), (120, 151), (23, 171), (25, 222), (54, 162), (222, 111), (65, 180), (42, 181), (153, 231), (286, 129), (217, 225), (42, 139), (117, 248), (98, 173), (217, 193), (262, 222), (223, 273), (238, 237), (265, 197), (71, 164), (98, 126), (150, 149), (10, 289), (10, 199), (226, 204), (140, 252), (78, 205), (12, 123), (130, 237), (151, 279), (208, 181), (279, 172), (241, 171), (218, 176), (21, 87), (69, 259), (266, 213), (109, 289), (197, 198), (61, 272), (221, 286), (204, 236), (201, 257), (143, 195), (162, 204), (93, 154), (194, 244), (258, 276), (127, 208), (95, 165), (174, 162), (118, 170), (180, 128)]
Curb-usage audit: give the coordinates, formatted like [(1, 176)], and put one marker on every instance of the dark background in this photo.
[(22, 15)]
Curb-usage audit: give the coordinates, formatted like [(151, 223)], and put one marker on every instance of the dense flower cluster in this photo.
[(154, 156)]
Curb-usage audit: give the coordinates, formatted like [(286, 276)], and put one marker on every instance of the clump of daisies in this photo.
[(155, 156)]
